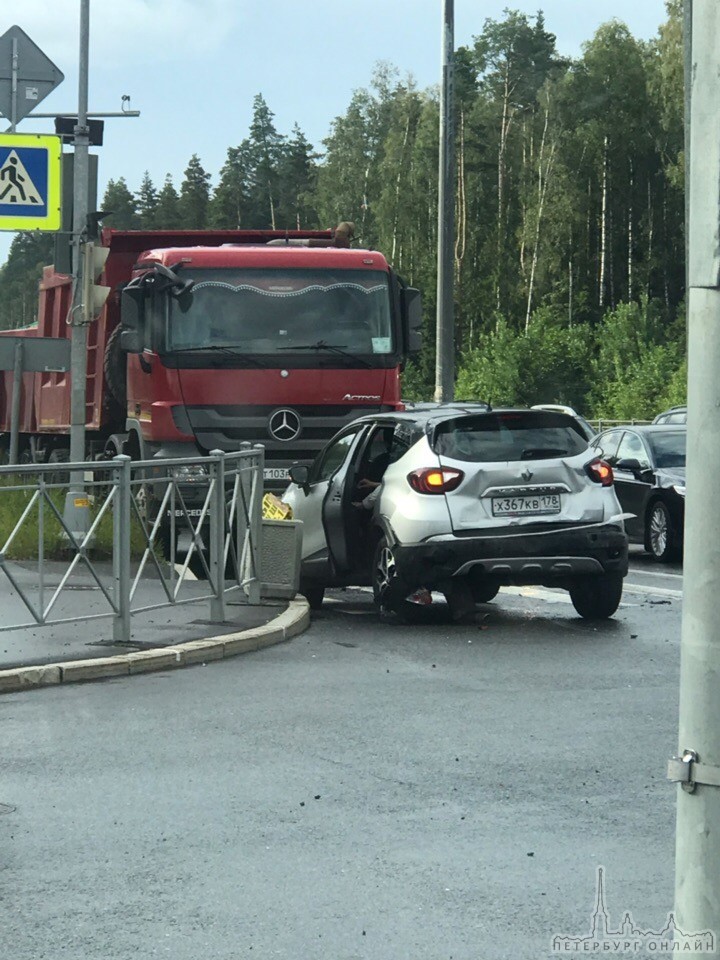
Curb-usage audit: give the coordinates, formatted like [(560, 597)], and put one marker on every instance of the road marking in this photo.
[(652, 591), (546, 593), (653, 573)]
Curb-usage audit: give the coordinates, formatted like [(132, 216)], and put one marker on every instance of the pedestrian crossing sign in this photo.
[(30, 182)]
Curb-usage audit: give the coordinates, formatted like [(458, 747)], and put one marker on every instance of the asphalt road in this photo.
[(365, 791)]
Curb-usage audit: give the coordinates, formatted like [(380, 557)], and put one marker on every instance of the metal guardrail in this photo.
[(214, 502), (601, 425)]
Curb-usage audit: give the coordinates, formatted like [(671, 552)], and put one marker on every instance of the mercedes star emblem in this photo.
[(284, 425)]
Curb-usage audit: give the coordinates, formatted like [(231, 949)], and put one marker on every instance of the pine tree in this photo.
[(194, 196), (297, 176), (121, 206), (147, 201), (264, 147), (229, 203), (167, 214)]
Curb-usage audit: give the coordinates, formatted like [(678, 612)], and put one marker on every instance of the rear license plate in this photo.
[(538, 506), (275, 473)]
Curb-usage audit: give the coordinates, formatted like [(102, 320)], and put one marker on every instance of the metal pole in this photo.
[(121, 477), (256, 528), (217, 537), (444, 337), (77, 512), (13, 88), (78, 352), (15, 402), (697, 858)]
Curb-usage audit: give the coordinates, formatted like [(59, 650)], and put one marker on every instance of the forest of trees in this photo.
[(569, 248)]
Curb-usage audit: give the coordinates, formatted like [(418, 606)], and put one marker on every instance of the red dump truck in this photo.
[(209, 339)]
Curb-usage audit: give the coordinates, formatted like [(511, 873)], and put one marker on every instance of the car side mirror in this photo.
[(630, 464), (300, 475)]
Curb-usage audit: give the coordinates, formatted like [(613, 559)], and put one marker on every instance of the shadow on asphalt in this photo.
[(501, 615)]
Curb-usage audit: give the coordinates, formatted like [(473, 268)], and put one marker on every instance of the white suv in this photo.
[(462, 501)]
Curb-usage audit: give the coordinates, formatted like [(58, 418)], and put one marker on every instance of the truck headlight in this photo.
[(189, 473)]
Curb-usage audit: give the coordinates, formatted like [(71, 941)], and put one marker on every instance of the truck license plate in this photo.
[(537, 506), (275, 473)]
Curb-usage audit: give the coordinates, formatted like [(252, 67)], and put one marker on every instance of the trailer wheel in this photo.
[(115, 369), (59, 455)]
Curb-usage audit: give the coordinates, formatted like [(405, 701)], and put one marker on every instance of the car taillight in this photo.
[(435, 479), (600, 471)]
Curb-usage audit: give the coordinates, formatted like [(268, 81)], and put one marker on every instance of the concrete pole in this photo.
[(445, 332), (78, 351), (697, 859), (687, 72)]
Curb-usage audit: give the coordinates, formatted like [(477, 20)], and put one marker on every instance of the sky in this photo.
[(192, 67)]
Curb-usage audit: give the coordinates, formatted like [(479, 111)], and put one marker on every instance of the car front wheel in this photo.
[(660, 534), (389, 590), (597, 598)]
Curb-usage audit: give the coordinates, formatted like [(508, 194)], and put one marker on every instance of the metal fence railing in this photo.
[(601, 425), (202, 513)]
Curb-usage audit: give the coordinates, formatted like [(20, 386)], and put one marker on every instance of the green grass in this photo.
[(24, 545)]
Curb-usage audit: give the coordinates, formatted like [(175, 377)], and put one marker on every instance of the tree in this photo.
[(194, 196), (121, 206), (297, 176), (264, 149), (146, 203), (167, 212), (229, 203), (19, 276)]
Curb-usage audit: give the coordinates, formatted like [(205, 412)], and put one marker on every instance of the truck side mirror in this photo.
[(132, 317), (131, 341), (411, 307)]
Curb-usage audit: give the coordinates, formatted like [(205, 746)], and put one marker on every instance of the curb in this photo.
[(288, 624)]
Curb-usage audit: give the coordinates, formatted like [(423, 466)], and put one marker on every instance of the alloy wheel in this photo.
[(659, 531), (385, 570)]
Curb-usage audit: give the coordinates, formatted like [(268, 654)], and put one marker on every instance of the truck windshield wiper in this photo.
[(337, 348), (227, 351)]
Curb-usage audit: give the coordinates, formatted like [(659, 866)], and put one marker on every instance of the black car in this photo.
[(649, 466), (673, 415)]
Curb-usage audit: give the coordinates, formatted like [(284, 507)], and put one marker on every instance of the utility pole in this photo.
[(697, 859), (77, 513), (78, 355), (445, 329)]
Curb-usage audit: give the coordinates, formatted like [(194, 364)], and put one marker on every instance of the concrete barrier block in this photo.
[(200, 651), (22, 678), (94, 669), (161, 659)]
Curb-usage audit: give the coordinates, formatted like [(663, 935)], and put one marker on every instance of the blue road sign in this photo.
[(29, 182)]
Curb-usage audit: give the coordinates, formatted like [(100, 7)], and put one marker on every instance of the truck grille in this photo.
[(226, 427)]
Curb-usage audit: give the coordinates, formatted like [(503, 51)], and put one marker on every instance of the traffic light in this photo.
[(94, 295)]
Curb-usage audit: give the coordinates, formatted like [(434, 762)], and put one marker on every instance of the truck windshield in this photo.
[(260, 311)]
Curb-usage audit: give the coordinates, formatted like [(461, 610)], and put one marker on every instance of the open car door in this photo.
[(340, 518)]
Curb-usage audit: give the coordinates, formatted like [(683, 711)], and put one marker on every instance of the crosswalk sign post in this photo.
[(30, 182)]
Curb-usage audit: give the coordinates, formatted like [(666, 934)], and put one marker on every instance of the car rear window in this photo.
[(499, 437)]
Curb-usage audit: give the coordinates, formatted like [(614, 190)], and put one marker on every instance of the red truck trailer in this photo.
[(209, 339)]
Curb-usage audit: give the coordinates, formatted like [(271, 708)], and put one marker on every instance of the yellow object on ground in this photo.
[(274, 509)]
